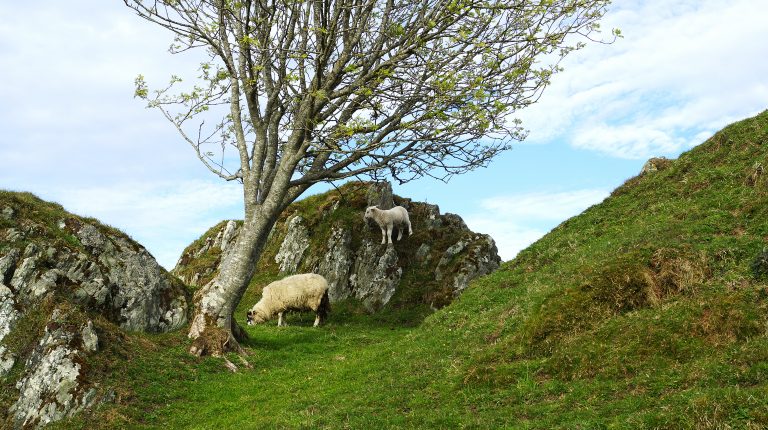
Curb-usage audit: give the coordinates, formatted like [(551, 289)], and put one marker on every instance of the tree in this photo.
[(296, 92)]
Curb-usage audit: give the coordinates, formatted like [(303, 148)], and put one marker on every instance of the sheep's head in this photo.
[(255, 317), (369, 212)]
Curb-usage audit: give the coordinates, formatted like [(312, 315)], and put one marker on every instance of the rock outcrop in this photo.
[(327, 234), (52, 386), (64, 271), (295, 243), (655, 164)]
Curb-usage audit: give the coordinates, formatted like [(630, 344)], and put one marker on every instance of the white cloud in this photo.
[(683, 70), (164, 217), (516, 221), (626, 141), (68, 106), (510, 238)]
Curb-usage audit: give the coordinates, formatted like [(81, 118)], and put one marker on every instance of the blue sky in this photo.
[(72, 132)]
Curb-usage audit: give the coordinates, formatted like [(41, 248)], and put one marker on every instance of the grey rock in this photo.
[(447, 257), (336, 264), (176, 315), (380, 194), (131, 282), (292, 249), (90, 338), (93, 291), (110, 274), (39, 287), (433, 219), (455, 221), (24, 274), (358, 268), (7, 360), (8, 312), (422, 254), (655, 164), (230, 231), (91, 237), (113, 274), (8, 265), (13, 235), (223, 240), (30, 250), (210, 242), (49, 389), (482, 259), (7, 213), (375, 278), (8, 318)]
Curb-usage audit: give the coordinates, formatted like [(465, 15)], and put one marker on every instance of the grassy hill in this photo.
[(648, 310)]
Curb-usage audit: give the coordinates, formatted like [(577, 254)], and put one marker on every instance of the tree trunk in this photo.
[(213, 329)]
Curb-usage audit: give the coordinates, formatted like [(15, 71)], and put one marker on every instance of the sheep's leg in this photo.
[(410, 230), (280, 319), (383, 236), (317, 320), (389, 232)]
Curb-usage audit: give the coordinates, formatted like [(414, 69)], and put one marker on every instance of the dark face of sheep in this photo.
[(254, 318)]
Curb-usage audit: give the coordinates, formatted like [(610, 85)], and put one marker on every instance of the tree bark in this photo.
[(213, 329)]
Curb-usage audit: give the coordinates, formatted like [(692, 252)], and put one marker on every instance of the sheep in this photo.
[(302, 292), (386, 219)]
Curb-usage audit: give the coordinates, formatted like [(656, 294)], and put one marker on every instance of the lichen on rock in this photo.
[(336, 264), (375, 277), (8, 317), (295, 243), (51, 387)]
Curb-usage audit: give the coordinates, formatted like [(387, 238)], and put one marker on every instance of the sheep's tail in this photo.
[(324, 308)]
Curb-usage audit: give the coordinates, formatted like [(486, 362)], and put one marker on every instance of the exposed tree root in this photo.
[(216, 341)]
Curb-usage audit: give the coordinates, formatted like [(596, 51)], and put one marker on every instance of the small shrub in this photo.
[(626, 283)]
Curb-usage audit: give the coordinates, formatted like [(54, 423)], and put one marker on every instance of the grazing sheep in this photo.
[(386, 219), (302, 292)]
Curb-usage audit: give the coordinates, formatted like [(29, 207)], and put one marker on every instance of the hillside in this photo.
[(646, 311), (69, 289)]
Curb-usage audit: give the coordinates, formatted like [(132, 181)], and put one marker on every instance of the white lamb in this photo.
[(387, 218), (302, 292)]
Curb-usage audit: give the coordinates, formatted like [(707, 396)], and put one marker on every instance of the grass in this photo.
[(41, 220), (647, 311)]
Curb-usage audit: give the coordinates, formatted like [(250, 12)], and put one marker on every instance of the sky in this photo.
[(71, 131)]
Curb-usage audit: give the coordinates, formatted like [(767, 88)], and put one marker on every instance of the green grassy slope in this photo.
[(646, 311)]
